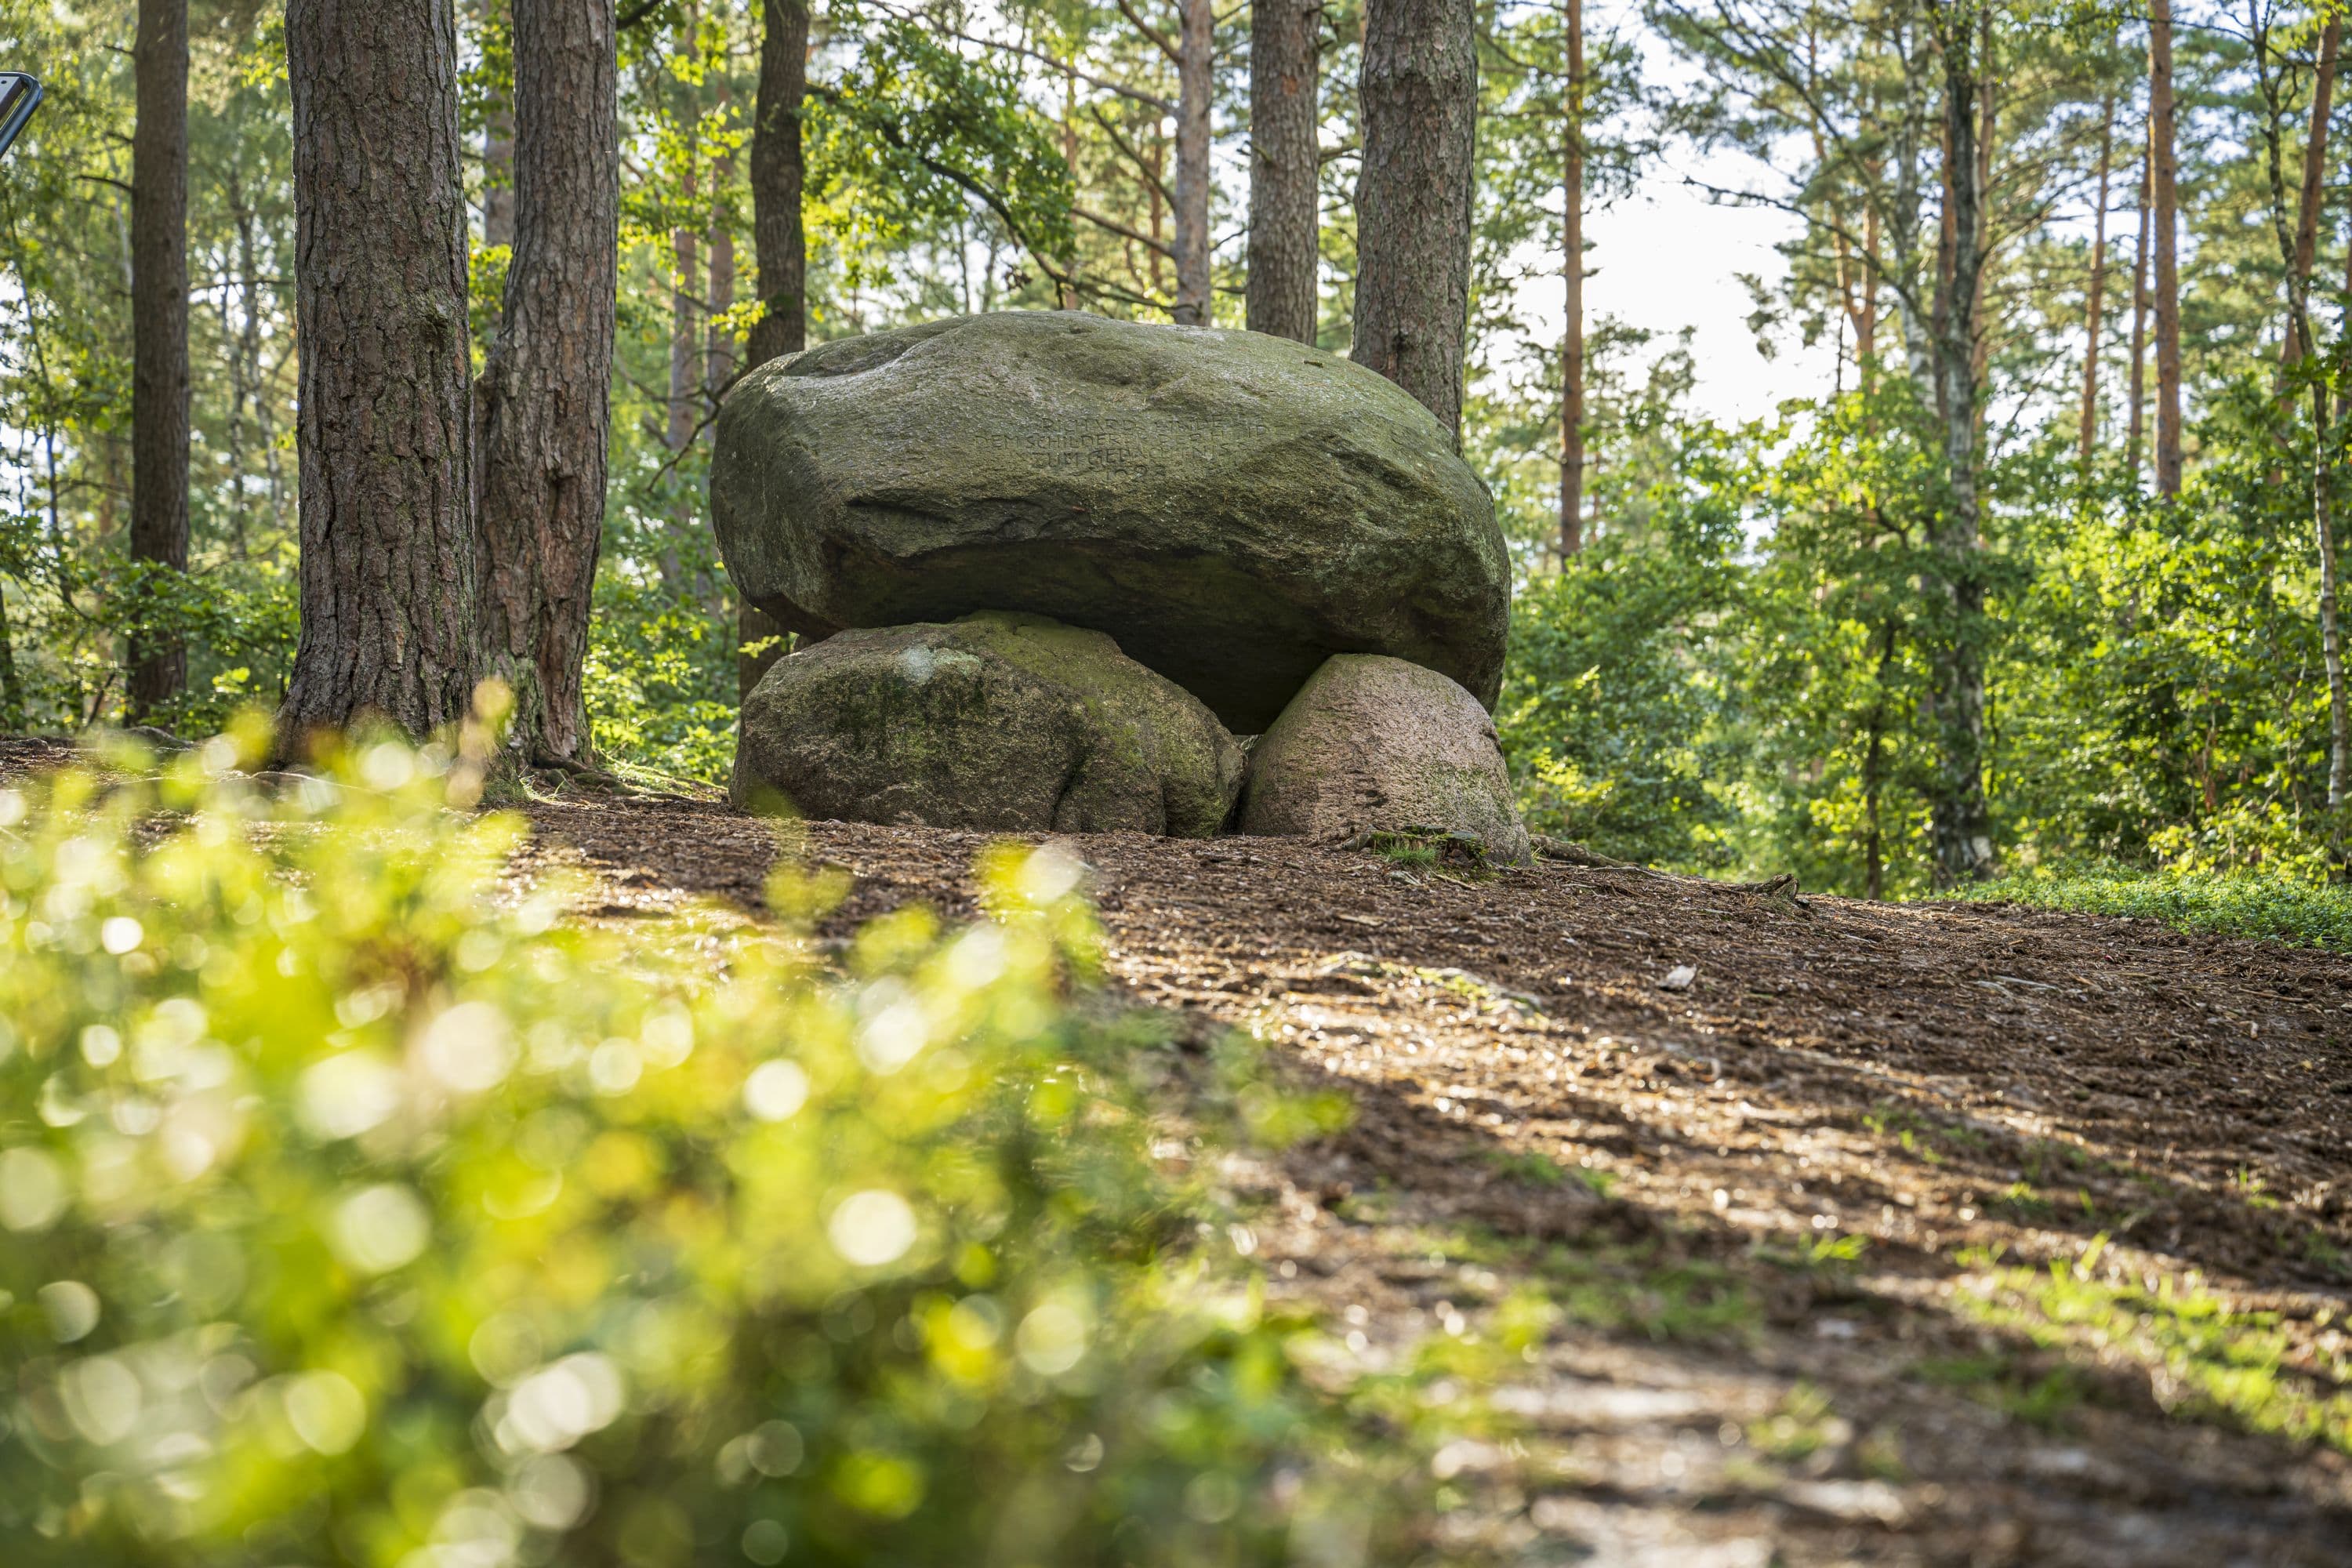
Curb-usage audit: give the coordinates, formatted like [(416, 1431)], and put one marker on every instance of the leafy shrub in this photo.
[(361, 1211)]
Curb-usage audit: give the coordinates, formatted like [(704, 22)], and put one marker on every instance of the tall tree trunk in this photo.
[(1065, 294), (546, 390), (782, 254), (1195, 20), (2163, 139), (1284, 197), (1958, 819), (158, 334), (1571, 261), (1420, 104), (390, 624), (1989, 125), (2135, 440), (776, 174), (1866, 320), (2094, 311), (2299, 341), (718, 338), (2331, 631)]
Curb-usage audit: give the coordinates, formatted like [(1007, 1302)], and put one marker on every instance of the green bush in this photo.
[(359, 1210)]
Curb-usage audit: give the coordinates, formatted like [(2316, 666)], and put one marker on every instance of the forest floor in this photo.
[(1937, 1234), (1964, 1234)]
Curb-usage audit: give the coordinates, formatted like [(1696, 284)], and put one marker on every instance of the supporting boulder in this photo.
[(1000, 722), (1372, 743), (1232, 508)]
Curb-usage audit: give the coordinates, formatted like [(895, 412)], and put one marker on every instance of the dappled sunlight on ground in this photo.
[(1934, 1233)]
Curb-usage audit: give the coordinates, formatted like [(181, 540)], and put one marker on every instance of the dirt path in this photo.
[(1940, 1235)]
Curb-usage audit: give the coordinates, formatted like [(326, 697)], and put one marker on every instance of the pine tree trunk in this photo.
[(2299, 341), (1571, 261), (546, 390), (1420, 103), (2135, 437), (158, 334), (1285, 195), (2094, 311), (1194, 83), (780, 241), (2163, 139), (776, 232), (1959, 821), (389, 619)]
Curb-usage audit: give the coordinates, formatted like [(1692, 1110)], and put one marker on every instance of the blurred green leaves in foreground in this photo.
[(359, 1210)]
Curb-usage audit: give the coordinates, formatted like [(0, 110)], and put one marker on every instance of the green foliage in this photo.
[(355, 1209), (1609, 694), (2302, 913), (913, 132)]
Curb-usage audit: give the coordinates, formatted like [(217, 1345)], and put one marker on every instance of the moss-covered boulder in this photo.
[(994, 722), (1372, 743), (1232, 508)]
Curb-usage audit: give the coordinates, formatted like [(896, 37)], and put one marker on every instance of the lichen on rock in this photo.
[(1232, 508), (998, 721)]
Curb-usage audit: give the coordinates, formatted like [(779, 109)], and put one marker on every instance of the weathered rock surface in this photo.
[(1232, 508), (1374, 742), (994, 721)]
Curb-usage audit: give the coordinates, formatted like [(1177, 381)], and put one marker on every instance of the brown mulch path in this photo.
[(1736, 1379)]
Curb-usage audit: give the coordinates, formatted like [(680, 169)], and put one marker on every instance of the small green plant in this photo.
[(1801, 1427), (2203, 1358), (1527, 1165), (1829, 1250), (357, 1214)]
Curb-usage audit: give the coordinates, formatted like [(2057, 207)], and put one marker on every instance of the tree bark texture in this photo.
[(1959, 821), (546, 388), (159, 332), (2163, 141), (2135, 437), (1280, 297), (2094, 308), (1420, 100), (2299, 341), (1195, 20), (781, 246), (389, 619), (776, 173), (719, 244), (1571, 262)]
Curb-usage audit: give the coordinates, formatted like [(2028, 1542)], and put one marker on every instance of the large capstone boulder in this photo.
[(1373, 744), (1232, 508), (994, 721)]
